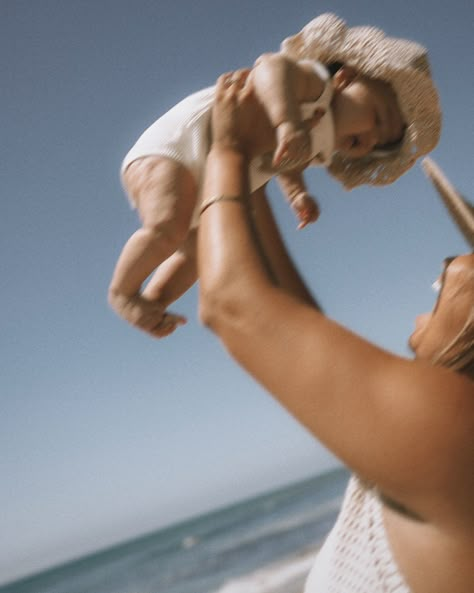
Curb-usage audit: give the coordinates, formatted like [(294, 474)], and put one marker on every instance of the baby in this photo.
[(351, 99)]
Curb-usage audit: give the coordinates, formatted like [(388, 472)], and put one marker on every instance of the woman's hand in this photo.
[(235, 114)]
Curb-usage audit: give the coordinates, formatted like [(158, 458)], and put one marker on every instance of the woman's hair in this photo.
[(458, 355)]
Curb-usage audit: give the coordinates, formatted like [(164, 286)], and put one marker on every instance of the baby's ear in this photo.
[(343, 77)]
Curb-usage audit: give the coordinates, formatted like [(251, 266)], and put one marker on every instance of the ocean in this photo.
[(261, 545)]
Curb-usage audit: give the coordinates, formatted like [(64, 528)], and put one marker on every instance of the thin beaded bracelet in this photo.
[(222, 198)]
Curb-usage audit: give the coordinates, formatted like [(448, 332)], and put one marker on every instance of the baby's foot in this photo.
[(168, 324), (146, 315)]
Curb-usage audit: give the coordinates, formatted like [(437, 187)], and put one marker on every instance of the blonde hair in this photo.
[(458, 354)]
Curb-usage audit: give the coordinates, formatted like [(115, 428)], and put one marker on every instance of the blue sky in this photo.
[(105, 433)]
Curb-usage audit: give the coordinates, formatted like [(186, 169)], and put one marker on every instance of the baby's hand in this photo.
[(293, 145), (305, 208), (147, 315)]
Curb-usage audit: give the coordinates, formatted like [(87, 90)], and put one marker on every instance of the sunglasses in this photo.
[(439, 282)]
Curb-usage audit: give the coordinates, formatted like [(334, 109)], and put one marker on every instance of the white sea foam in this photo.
[(285, 576), (189, 542)]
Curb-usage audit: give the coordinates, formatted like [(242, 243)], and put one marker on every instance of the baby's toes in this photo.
[(167, 325)]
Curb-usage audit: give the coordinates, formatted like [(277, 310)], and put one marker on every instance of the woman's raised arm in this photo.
[(404, 425)]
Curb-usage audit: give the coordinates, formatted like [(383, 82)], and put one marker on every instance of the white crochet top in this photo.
[(356, 557)]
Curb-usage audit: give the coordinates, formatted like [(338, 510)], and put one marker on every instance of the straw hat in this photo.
[(461, 211), (403, 64)]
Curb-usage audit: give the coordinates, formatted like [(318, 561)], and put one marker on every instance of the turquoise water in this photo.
[(203, 554)]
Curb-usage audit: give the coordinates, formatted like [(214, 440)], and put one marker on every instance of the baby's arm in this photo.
[(282, 85), (293, 186)]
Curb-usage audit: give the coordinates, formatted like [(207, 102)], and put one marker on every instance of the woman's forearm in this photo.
[(231, 268), (284, 271), (239, 251)]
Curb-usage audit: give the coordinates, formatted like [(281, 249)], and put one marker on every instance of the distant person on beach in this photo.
[(320, 104), (404, 427)]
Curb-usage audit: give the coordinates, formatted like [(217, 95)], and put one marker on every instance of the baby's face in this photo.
[(366, 115)]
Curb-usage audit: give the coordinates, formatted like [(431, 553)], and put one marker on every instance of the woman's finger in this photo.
[(222, 83)]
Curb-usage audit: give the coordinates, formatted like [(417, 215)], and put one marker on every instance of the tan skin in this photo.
[(405, 426)]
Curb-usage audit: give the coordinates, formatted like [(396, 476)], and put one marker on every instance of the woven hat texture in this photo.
[(401, 63)]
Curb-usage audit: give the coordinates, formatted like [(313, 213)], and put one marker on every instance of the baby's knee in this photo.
[(168, 230), (165, 195)]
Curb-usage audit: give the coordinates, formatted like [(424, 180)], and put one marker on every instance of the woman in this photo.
[(405, 427)]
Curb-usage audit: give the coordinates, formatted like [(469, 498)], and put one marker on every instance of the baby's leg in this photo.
[(175, 275), (165, 194), (172, 279)]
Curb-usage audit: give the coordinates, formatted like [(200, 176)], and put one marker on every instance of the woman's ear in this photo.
[(343, 77)]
